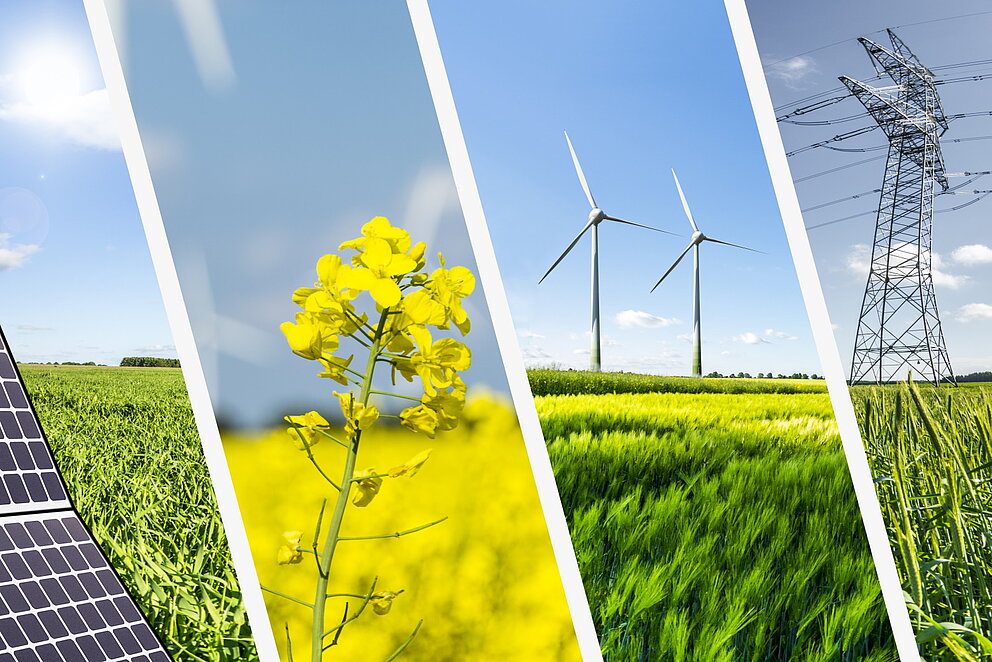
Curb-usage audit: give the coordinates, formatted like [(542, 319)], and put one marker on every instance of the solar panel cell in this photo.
[(60, 610)]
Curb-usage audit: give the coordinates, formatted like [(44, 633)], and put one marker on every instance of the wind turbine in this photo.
[(694, 243), (596, 216)]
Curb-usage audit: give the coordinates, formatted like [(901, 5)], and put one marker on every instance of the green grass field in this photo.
[(713, 526), (128, 447), (930, 451)]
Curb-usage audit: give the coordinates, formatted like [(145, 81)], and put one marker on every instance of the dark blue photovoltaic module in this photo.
[(60, 600), (29, 480)]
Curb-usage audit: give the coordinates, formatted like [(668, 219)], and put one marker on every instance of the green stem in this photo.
[(396, 395), (361, 608), (397, 534), (404, 645), (287, 597), (334, 531)]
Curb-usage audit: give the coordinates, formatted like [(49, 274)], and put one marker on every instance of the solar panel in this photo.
[(60, 600), (29, 480)]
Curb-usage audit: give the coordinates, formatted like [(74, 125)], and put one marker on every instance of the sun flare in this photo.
[(51, 79)]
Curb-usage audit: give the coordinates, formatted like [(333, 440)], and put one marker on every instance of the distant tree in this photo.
[(148, 362), (984, 376)]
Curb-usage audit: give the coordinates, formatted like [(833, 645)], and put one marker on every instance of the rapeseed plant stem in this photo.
[(334, 532)]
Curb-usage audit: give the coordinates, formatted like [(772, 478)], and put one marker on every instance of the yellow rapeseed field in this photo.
[(484, 582)]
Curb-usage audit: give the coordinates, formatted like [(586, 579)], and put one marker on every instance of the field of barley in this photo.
[(484, 582), (930, 451), (128, 447), (713, 526)]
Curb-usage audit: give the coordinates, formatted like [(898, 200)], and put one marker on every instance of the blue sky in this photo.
[(785, 32), (77, 281), (641, 88), (312, 122)]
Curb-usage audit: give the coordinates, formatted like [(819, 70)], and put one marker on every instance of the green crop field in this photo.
[(128, 447), (714, 526), (930, 451), (583, 382)]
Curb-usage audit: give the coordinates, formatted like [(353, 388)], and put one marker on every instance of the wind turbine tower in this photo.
[(899, 327), (694, 243), (596, 216)]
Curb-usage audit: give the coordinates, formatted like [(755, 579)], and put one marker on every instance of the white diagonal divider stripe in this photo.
[(816, 308), (485, 256), (182, 332)]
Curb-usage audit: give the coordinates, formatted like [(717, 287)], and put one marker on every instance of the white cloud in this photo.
[(580, 351), (632, 318), (530, 335), (14, 255), (534, 353), (749, 338), (725, 353), (858, 262), (973, 254), (974, 311), (792, 72), (86, 119), (780, 335), (157, 348), (32, 327), (684, 337)]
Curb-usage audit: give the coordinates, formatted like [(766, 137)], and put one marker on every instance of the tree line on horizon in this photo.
[(148, 362)]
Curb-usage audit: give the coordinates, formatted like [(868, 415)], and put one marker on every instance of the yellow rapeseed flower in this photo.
[(367, 485), (420, 419), (379, 268), (309, 337), (380, 228), (382, 601), (359, 416), (334, 368), (411, 466), (419, 308), (447, 406), (289, 552), (437, 362), (448, 287), (306, 430)]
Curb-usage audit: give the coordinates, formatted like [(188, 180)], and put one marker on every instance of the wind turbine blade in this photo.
[(562, 256), (685, 204), (671, 268), (727, 243), (578, 171), (646, 227)]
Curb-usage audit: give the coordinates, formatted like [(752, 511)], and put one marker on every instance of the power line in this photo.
[(838, 168), (904, 25)]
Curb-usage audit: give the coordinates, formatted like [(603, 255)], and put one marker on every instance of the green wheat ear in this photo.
[(934, 451)]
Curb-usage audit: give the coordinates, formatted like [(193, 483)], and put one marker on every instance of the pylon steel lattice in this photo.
[(899, 328)]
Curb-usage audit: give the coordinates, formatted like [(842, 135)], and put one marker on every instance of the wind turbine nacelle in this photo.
[(698, 237), (596, 215)]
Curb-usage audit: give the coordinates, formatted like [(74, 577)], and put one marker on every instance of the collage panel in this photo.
[(342, 325), (694, 444), (882, 110), (112, 546)]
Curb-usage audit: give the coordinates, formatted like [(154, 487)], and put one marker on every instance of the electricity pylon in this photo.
[(899, 328)]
